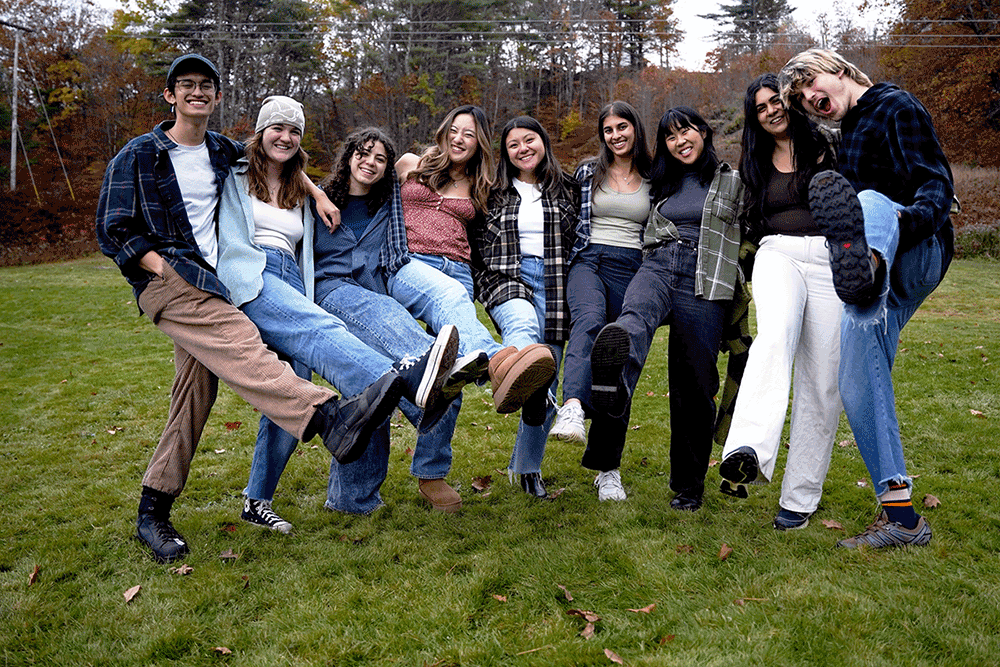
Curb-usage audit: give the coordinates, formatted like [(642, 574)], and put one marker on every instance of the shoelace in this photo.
[(265, 512), (166, 531), (408, 362)]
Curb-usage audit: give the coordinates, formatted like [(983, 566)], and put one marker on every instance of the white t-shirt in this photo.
[(197, 183), (530, 219), (276, 227)]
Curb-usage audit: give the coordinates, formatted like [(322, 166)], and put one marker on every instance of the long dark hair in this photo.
[(549, 173), (338, 184), (811, 153), (668, 171), (433, 168), (640, 148)]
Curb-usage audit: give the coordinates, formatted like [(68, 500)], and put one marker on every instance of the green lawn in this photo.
[(84, 387)]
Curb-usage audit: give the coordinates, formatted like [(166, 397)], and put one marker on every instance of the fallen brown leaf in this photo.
[(644, 462), (685, 549), (666, 638), (558, 492), (246, 581), (482, 483), (228, 555), (588, 616), (725, 552), (229, 528), (500, 598), (832, 525), (131, 593), (409, 451), (232, 426), (712, 463), (613, 657), (588, 631), (977, 413), (931, 501), (645, 610), (182, 570), (222, 650), (566, 591), (845, 443), (33, 577)]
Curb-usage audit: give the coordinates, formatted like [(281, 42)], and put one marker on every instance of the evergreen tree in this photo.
[(750, 25)]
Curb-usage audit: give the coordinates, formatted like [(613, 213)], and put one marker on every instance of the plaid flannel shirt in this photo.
[(141, 209), (395, 252), (718, 268), (585, 177), (498, 245), (888, 144)]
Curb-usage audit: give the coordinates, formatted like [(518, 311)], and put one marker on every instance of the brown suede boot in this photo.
[(516, 375), (441, 496)]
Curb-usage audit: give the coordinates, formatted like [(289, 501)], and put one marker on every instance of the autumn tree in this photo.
[(948, 55)]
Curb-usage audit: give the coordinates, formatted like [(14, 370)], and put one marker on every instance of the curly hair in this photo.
[(433, 168), (292, 191), (338, 184)]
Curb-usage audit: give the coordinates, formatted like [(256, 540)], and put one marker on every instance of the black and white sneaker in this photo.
[(469, 368), (425, 376), (259, 513)]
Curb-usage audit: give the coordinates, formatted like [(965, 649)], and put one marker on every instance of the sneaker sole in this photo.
[(440, 359), (579, 437), (528, 374), (607, 359), (285, 528), (739, 467), (785, 527), (380, 408), (837, 211)]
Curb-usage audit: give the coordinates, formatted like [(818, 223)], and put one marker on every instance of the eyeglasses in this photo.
[(187, 85)]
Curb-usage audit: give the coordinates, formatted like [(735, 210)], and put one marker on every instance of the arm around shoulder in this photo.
[(405, 164)]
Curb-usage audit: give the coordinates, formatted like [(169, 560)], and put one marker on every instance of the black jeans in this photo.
[(662, 293)]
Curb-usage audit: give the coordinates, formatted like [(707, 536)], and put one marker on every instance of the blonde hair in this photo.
[(801, 68), (433, 168)]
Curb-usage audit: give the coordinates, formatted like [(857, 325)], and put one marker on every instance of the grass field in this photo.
[(84, 387)]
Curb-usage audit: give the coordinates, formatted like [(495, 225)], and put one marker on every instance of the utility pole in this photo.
[(13, 104)]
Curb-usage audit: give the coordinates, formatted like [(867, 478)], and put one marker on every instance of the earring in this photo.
[(171, 108)]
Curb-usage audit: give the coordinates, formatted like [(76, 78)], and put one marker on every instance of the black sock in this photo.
[(900, 510)]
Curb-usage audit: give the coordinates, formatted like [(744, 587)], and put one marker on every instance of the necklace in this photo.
[(624, 181)]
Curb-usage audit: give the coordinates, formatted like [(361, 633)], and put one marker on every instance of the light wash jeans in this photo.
[(870, 336), (521, 323), (313, 338), (383, 324), (798, 321), (439, 291)]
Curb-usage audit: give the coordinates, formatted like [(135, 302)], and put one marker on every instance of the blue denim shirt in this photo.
[(241, 261), (141, 209), (369, 261)]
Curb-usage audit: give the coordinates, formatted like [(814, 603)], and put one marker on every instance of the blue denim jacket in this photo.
[(241, 261), (141, 209)]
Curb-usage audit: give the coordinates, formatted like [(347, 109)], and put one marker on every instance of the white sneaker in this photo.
[(569, 424), (609, 486)]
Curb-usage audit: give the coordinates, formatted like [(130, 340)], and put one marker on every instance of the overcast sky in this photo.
[(698, 32)]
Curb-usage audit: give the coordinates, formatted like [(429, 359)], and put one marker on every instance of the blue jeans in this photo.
[(439, 291), (870, 335), (662, 293), (313, 338), (595, 290), (525, 322), (384, 325)]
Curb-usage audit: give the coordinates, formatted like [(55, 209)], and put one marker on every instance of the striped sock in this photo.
[(898, 506)]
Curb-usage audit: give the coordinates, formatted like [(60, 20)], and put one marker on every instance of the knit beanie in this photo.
[(280, 109)]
